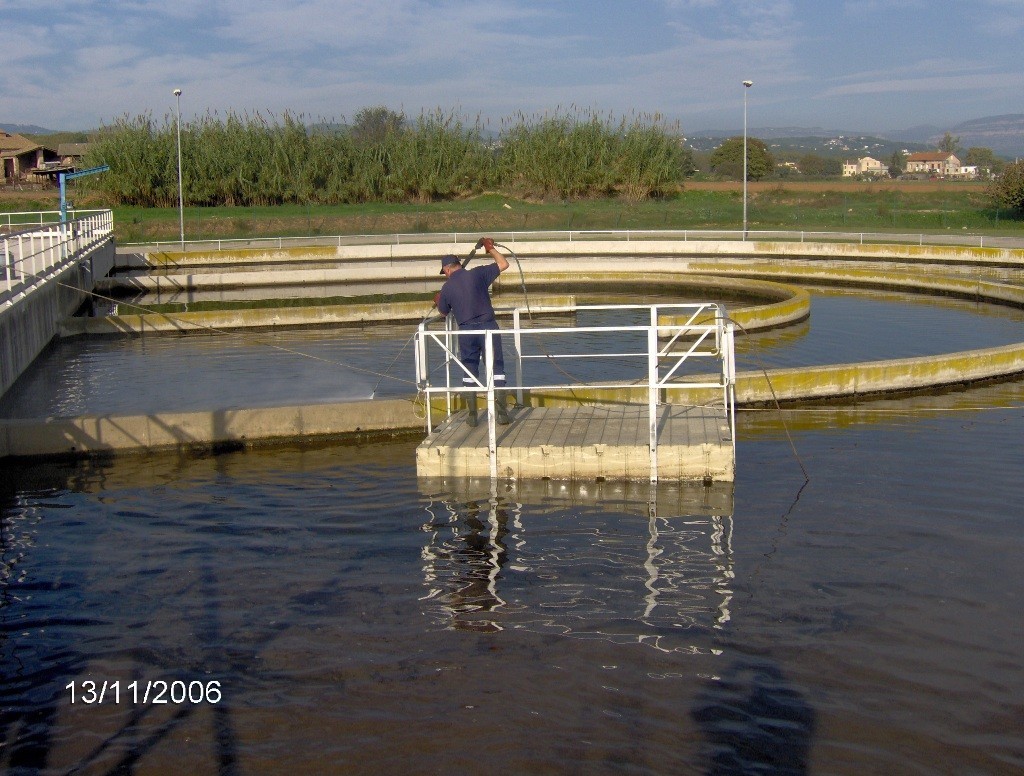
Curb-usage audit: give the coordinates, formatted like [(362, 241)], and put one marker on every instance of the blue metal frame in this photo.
[(66, 176)]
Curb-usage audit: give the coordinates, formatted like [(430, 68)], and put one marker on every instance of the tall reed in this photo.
[(247, 160)]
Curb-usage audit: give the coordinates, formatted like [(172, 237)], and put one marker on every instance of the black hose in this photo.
[(522, 278), (472, 253), (529, 314)]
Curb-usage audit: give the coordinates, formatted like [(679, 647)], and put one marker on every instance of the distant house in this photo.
[(937, 163), (25, 160), (71, 154), (864, 166)]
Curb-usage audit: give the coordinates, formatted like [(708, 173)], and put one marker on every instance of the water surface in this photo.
[(360, 621), (230, 370)]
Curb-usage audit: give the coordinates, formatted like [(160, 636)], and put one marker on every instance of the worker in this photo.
[(465, 293)]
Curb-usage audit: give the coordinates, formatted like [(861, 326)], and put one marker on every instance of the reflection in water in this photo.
[(468, 542), (16, 537), (654, 568)]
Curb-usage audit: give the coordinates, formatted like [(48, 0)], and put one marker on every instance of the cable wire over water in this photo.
[(785, 427), (241, 335)]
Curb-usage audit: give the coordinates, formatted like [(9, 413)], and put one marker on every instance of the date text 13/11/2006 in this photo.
[(158, 691)]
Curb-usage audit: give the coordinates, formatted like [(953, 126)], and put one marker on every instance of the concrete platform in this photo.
[(661, 499), (585, 442)]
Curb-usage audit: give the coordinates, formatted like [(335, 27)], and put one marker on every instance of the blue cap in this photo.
[(449, 259)]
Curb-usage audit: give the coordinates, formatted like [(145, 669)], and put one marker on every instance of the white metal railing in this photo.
[(10, 221), (31, 258), (588, 235), (674, 337)]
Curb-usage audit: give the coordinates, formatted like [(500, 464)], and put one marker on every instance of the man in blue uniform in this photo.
[(465, 293)]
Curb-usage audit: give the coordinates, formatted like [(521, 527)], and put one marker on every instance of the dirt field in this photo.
[(11, 194), (887, 184)]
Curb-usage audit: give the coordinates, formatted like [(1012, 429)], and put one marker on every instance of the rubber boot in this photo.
[(501, 408), (471, 418)]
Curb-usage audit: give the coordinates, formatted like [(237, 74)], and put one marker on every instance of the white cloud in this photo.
[(934, 67), (880, 7), (937, 83), (381, 27)]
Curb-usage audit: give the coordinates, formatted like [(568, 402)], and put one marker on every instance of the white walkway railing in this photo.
[(590, 235), (29, 259), (662, 353), (10, 222)]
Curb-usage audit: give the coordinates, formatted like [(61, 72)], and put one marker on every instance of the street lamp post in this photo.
[(181, 198), (746, 85)]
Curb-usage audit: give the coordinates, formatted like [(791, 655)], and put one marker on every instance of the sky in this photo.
[(858, 65)]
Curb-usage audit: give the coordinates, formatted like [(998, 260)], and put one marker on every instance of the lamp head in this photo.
[(748, 84), (177, 92)]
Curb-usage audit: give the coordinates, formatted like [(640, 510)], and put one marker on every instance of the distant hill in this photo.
[(833, 145), (773, 133), (1003, 134), (844, 146), (922, 133), (26, 129)]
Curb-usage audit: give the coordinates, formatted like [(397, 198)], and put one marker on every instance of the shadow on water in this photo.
[(753, 720), (36, 691), (28, 724)]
